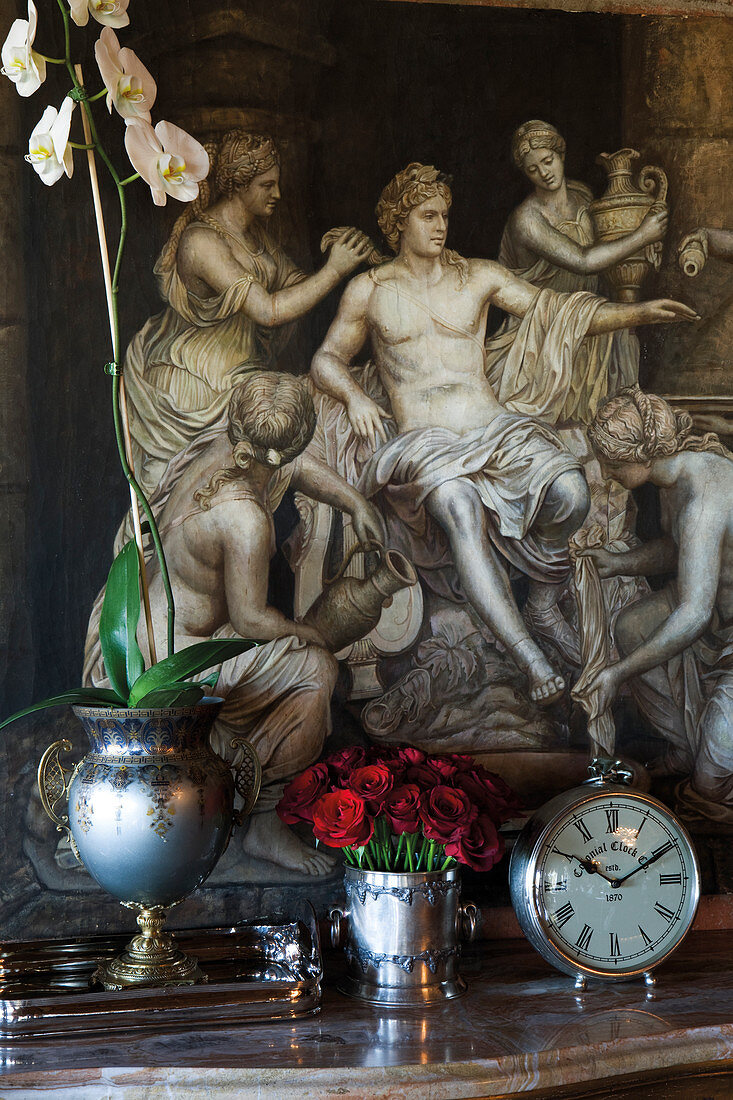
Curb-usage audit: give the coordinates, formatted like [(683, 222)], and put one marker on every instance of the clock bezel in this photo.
[(524, 865)]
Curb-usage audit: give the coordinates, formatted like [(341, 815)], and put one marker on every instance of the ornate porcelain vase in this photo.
[(620, 211), (148, 811), (401, 933)]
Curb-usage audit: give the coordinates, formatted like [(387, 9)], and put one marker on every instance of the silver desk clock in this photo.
[(604, 879)]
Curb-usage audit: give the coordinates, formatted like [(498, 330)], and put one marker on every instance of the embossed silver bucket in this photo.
[(401, 934)]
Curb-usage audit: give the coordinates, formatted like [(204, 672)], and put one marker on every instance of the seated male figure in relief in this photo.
[(495, 483)]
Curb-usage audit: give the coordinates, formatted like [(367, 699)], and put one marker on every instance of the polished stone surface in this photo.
[(520, 1027)]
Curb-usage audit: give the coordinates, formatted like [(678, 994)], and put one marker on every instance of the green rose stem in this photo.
[(386, 842), (423, 852), (119, 408)]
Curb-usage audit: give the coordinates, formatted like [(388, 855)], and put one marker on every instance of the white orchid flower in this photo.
[(130, 87), (112, 13), (48, 148), (169, 160), (21, 63)]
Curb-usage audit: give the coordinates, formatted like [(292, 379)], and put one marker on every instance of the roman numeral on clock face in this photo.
[(554, 887), (663, 911), (670, 880), (644, 936), (564, 914), (612, 818), (582, 829), (584, 938), (615, 949)]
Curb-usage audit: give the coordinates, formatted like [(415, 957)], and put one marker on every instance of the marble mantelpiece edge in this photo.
[(552, 1068)]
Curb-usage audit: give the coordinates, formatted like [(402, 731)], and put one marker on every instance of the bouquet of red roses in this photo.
[(397, 809)]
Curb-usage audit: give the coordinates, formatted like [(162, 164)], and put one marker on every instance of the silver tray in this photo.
[(254, 971)]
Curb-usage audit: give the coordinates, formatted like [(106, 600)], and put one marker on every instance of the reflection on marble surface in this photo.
[(519, 1027)]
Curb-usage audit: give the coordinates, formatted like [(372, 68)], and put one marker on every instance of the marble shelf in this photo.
[(520, 1028)]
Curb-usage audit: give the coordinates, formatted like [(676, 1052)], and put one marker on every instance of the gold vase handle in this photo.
[(357, 548), (247, 778), (650, 177), (53, 785)]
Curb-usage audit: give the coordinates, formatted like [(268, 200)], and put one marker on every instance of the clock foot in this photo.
[(581, 982), (649, 979)]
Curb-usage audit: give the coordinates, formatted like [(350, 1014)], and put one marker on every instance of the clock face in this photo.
[(615, 883)]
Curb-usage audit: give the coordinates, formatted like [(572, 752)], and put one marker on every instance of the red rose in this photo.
[(445, 813), (490, 793), (425, 775), (462, 761), (445, 766), (342, 763), (302, 793), (411, 756), (402, 807), (479, 847), (372, 783), (340, 820)]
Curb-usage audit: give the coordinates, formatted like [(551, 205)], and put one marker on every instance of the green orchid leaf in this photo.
[(187, 662), (210, 681), (85, 697), (123, 661), (176, 695)]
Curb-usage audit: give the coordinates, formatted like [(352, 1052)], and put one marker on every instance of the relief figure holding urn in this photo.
[(551, 240), (214, 508)]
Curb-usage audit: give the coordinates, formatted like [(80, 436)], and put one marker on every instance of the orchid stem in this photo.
[(52, 60), (130, 179), (111, 285), (98, 95), (78, 145)]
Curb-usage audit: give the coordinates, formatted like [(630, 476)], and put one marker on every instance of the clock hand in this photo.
[(594, 868), (588, 865), (657, 854)]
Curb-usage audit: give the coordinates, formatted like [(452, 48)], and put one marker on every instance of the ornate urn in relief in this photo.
[(620, 211)]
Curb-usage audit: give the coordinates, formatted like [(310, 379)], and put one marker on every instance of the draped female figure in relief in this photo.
[(676, 645), (548, 240), (231, 294)]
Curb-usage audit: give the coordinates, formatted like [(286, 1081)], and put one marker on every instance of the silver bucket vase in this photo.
[(148, 811), (401, 933)]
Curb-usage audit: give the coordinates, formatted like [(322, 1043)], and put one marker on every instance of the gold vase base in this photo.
[(151, 959)]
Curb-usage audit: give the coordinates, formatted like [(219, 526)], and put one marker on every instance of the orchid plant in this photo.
[(172, 163)]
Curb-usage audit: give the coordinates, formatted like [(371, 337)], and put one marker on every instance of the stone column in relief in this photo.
[(678, 82), (15, 632)]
